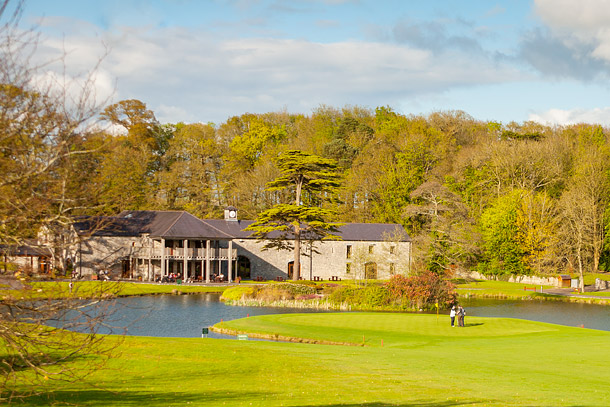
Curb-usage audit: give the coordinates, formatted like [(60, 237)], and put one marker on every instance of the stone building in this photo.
[(149, 245)]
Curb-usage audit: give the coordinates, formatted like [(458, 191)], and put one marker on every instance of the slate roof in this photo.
[(181, 224), (162, 224), (25, 250), (106, 226), (373, 232)]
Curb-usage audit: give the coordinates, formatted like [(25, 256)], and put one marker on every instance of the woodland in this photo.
[(476, 195)]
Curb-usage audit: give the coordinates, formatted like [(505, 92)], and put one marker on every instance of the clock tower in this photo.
[(231, 213)]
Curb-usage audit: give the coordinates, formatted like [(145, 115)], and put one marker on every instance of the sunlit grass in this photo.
[(499, 289), (423, 362), (86, 289)]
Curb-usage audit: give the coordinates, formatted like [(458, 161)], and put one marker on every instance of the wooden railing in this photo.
[(197, 253)]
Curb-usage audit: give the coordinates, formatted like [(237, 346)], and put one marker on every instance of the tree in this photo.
[(310, 181), (44, 129), (190, 178), (499, 228), (583, 206), (449, 237)]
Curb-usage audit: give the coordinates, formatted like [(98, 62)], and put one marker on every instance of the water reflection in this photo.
[(186, 315), (183, 315), (555, 312)]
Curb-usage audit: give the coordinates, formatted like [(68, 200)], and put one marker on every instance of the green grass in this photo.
[(590, 277), (498, 289), (423, 362), (60, 289)]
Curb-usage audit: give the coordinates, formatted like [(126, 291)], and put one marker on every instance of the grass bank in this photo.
[(499, 289), (86, 289), (423, 362), (516, 291)]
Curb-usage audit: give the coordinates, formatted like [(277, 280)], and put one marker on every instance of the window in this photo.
[(349, 251), (371, 247), (392, 269), (392, 249), (348, 268)]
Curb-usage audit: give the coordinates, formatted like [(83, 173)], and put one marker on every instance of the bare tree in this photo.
[(583, 207), (43, 132)]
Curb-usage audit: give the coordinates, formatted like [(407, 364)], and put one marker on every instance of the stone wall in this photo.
[(534, 280), (105, 253), (329, 259), (602, 284)]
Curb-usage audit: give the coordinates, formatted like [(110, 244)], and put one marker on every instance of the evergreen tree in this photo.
[(310, 181)]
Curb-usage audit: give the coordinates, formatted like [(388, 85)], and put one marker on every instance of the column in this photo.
[(207, 261), (230, 268), (185, 273), (162, 258)]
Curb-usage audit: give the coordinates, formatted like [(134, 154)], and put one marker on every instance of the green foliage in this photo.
[(249, 146), (511, 135), (499, 227), (268, 292), (380, 164), (311, 180), (236, 293), (369, 297)]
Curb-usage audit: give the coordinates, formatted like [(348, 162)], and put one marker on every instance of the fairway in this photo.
[(423, 362)]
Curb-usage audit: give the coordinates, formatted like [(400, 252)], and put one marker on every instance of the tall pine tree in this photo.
[(310, 181)]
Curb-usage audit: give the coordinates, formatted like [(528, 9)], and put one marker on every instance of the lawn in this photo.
[(423, 362), (499, 289), (60, 289)]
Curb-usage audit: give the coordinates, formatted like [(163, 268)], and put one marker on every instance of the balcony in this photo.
[(198, 253)]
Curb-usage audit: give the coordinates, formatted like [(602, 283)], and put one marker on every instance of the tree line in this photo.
[(500, 198)]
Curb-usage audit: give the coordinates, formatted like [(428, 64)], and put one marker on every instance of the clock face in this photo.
[(232, 214)]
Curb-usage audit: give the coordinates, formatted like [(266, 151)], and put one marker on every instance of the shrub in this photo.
[(277, 292), (422, 290), (237, 293), (362, 297)]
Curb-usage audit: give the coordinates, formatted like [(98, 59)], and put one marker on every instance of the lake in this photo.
[(186, 315)]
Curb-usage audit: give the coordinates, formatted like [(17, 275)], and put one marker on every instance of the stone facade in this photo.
[(339, 259), (148, 245)]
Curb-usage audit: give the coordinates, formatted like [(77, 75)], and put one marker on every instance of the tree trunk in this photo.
[(581, 282), (296, 270)]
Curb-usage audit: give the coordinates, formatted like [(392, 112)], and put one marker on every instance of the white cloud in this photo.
[(573, 116), (579, 23), (193, 75)]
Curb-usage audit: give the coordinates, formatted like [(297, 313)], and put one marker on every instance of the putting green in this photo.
[(395, 329)]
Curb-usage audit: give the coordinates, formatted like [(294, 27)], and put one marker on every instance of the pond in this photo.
[(555, 312), (181, 316), (186, 315)]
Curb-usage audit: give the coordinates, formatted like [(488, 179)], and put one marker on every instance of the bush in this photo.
[(361, 297), (237, 293), (422, 290)]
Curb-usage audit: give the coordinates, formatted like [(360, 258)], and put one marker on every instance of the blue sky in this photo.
[(202, 61)]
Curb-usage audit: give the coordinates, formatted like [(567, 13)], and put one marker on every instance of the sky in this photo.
[(208, 60)]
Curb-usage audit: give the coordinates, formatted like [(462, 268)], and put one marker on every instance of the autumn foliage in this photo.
[(422, 290)]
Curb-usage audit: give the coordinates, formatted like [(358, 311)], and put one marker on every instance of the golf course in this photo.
[(355, 359)]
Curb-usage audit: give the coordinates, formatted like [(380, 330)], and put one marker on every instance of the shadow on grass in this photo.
[(477, 324), (139, 398), (417, 403)]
